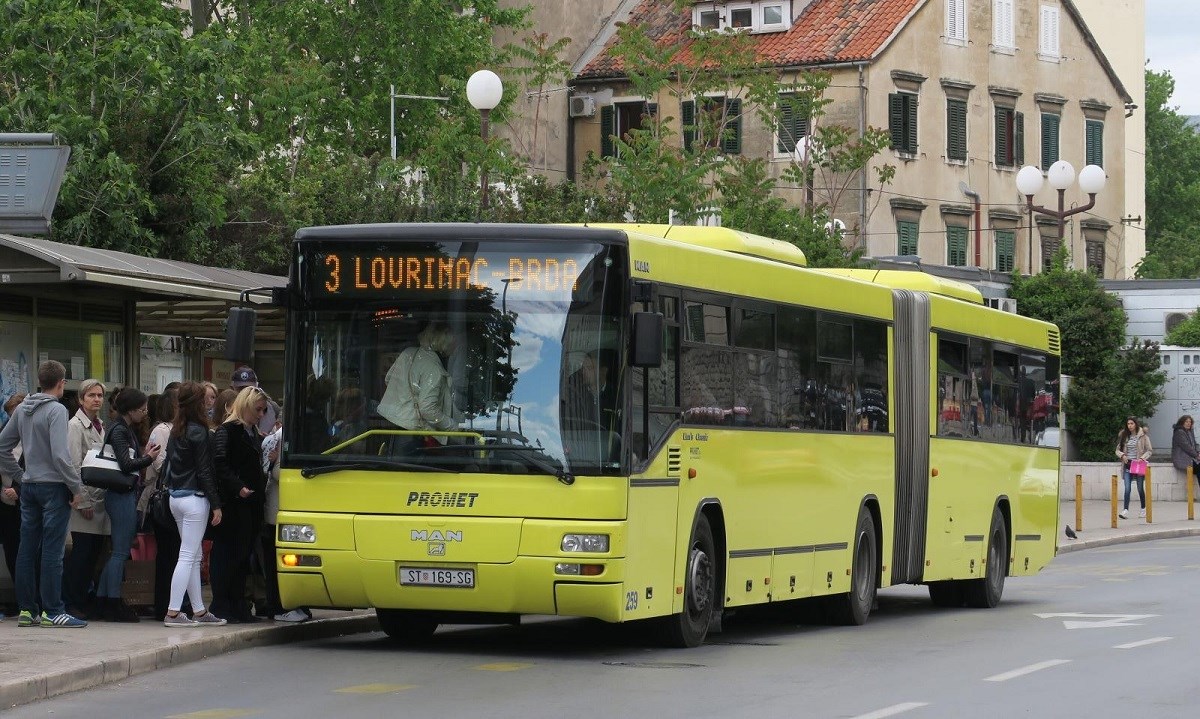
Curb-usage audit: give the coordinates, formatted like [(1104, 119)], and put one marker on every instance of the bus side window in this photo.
[(953, 390), (657, 387)]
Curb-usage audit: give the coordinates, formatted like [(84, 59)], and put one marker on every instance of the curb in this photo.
[(1081, 544), (97, 671)]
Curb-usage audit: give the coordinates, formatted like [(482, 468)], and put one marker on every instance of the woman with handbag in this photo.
[(194, 498), (89, 521), (121, 504), (1133, 449)]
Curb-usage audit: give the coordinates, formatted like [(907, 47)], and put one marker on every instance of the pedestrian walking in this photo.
[(1184, 452), (195, 503), (50, 487), (1133, 449), (131, 406), (90, 526)]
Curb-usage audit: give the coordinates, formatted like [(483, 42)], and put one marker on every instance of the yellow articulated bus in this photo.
[(642, 422)]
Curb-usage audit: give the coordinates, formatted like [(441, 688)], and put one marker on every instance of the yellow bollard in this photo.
[(1114, 501), (1191, 494), (1149, 499), (1079, 503)]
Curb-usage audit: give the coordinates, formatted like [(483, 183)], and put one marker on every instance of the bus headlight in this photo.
[(297, 533), (597, 543)]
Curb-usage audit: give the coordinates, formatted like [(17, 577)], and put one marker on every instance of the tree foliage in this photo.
[(1108, 382), (1172, 186)]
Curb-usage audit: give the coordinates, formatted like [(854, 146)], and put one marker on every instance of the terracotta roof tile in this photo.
[(827, 31)]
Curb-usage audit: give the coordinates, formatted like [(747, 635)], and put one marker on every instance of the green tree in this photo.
[(1186, 333), (1172, 185)]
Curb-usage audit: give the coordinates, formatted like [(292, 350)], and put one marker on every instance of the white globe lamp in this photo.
[(484, 90), (1029, 180), (1061, 174), (1092, 179)]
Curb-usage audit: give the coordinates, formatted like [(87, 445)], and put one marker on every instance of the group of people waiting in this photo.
[(211, 455), (1134, 451)]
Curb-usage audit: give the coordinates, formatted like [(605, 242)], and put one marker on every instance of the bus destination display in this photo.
[(355, 274)]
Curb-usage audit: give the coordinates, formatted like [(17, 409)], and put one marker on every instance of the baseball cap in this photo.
[(243, 377)]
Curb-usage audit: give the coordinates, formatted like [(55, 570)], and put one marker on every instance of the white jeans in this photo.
[(191, 516)]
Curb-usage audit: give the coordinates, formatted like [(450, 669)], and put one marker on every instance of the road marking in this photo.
[(892, 710), (375, 688), (1026, 670), (215, 714), (504, 667), (1106, 621), (1144, 642)]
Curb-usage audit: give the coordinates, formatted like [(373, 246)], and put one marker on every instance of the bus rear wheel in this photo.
[(406, 626), (689, 628), (854, 607), (985, 593)]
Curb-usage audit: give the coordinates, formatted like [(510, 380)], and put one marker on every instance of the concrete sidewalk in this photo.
[(38, 663)]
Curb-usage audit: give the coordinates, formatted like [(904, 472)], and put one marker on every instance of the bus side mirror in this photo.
[(647, 339), (239, 334)]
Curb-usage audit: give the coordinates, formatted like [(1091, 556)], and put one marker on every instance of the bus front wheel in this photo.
[(690, 627), (985, 593), (405, 626), (854, 607)]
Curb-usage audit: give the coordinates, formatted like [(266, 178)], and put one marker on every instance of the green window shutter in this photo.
[(688, 120), (731, 140), (910, 123), (956, 246), (1018, 139), (956, 130), (1006, 250), (1050, 125), (607, 129), (1003, 158), (907, 234), (791, 125), (896, 120), (1094, 137)]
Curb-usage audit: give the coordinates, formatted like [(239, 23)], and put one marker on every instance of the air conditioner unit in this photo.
[(583, 106), (1174, 319), (1004, 304)]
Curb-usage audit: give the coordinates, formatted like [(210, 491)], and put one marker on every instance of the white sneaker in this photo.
[(1124, 514), (208, 618), (1142, 513), (293, 616)]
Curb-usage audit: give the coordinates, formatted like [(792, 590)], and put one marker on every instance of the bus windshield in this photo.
[(480, 356)]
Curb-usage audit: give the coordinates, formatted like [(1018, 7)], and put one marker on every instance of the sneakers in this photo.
[(1124, 514), (207, 618), (179, 620), (295, 615), (25, 619), (62, 621), (1142, 513)]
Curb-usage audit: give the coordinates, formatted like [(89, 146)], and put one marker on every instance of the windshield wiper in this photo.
[(563, 475), (310, 472)]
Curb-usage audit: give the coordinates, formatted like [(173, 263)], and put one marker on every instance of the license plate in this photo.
[(435, 577)]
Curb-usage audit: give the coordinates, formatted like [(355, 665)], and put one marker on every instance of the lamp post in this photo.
[(1061, 175), (484, 91), (394, 97)]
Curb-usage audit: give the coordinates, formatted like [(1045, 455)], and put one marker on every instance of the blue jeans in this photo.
[(45, 514), (122, 513), (1141, 485)]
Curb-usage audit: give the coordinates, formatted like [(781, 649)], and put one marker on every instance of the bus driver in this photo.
[(418, 394)]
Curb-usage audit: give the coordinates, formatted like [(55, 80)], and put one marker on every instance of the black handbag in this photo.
[(159, 506), (101, 470)]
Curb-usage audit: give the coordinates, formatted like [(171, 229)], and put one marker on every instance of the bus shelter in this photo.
[(123, 318)]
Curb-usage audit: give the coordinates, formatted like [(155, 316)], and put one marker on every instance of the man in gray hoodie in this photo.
[(50, 487)]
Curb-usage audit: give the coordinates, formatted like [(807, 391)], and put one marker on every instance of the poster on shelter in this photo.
[(16, 339)]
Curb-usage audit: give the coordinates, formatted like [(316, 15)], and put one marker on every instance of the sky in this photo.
[(1173, 44)]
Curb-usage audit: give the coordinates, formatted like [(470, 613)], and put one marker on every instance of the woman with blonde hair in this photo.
[(237, 459)]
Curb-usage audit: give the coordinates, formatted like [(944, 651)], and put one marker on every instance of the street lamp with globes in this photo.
[(1061, 175), (484, 91)]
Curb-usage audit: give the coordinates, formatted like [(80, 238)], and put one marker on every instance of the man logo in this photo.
[(436, 535)]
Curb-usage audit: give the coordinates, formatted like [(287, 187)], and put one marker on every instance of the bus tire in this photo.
[(853, 608), (948, 594), (985, 593), (406, 626), (689, 628)]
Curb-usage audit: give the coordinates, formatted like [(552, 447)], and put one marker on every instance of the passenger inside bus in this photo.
[(417, 395)]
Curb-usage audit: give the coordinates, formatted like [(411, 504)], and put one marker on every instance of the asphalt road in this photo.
[(1103, 633)]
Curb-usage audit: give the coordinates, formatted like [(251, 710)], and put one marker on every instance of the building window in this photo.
[(1094, 143), (956, 246), (759, 16), (1006, 250), (956, 130), (619, 119), (1002, 24), (791, 124), (717, 125), (1050, 127), (956, 22), (907, 234), (741, 18), (772, 16), (902, 121), (1050, 247), (1048, 47), (1095, 257), (708, 20), (1010, 137)]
